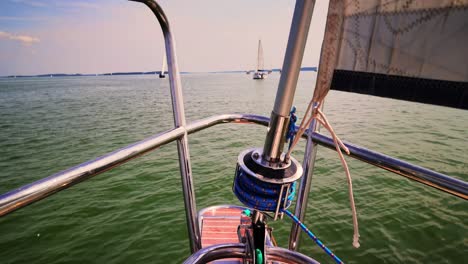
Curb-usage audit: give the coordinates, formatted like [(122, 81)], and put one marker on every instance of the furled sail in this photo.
[(414, 50)]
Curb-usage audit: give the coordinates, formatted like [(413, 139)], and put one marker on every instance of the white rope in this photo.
[(318, 115)]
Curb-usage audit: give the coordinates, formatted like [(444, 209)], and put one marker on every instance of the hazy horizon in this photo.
[(51, 36)]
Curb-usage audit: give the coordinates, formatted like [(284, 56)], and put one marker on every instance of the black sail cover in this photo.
[(410, 50)]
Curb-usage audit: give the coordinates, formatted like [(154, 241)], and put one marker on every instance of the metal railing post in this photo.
[(304, 187), (179, 121)]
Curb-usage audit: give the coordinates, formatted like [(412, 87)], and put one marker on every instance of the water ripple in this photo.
[(135, 213)]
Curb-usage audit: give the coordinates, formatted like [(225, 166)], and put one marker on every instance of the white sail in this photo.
[(260, 72), (163, 67), (260, 56), (426, 39), (408, 50)]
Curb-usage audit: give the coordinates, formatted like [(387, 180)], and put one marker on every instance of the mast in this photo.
[(276, 134)]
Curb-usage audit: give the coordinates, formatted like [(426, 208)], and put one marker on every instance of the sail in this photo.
[(164, 65), (410, 50), (260, 57)]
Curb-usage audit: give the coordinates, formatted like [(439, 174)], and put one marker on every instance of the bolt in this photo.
[(255, 155)]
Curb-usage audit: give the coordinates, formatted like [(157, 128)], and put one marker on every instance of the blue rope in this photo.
[(311, 235), (260, 195), (263, 196)]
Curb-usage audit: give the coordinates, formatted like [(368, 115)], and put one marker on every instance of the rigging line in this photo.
[(339, 143), (322, 119), (312, 235)]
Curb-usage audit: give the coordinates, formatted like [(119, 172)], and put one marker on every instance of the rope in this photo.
[(260, 195), (264, 196), (317, 114), (311, 235)]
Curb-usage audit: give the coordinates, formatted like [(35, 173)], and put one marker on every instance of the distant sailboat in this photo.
[(162, 74), (260, 72)]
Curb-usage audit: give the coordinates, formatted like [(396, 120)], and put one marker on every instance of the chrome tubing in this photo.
[(227, 118), (179, 121), (286, 256), (428, 177), (308, 164), (40, 189), (293, 58), (274, 141), (237, 250), (215, 252)]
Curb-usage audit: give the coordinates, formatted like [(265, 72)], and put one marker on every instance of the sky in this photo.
[(84, 36)]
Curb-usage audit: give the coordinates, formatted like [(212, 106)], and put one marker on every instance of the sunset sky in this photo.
[(57, 36)]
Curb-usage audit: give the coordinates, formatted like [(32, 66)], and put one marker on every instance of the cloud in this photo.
[(29, 2), (61, 3), (24, 39), (13, 18)]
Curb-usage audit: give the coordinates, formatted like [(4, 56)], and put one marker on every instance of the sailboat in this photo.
[(260, 73), (162, 74)]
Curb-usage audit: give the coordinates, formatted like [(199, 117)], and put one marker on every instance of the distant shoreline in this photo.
[(54, 75)]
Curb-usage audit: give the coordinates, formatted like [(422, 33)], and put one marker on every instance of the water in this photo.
[(134, 214)]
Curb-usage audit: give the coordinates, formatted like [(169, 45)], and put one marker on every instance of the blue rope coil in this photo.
[(261, 195), (264, 196)]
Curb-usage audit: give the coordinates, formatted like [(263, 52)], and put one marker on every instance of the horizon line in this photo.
[(305, 68)]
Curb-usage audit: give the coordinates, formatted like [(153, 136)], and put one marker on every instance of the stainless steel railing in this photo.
[(40, 189), (179, 122), (303, 191), (237, 250)]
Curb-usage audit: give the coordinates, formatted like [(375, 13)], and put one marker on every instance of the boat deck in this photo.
[(218, 225)]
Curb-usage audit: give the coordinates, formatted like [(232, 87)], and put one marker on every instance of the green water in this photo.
[(135, 213)]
